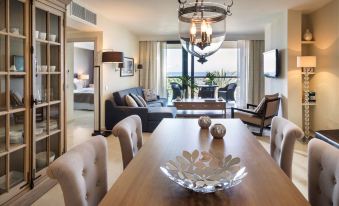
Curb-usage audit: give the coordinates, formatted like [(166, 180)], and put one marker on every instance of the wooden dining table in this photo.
[(142, 183)]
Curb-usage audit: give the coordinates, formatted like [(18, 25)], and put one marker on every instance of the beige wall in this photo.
[(283, 33), (325, 23)]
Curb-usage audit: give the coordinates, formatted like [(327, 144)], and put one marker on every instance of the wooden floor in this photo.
[(80, 129)]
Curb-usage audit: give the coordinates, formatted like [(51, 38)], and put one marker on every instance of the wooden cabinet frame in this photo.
[(34, 184)]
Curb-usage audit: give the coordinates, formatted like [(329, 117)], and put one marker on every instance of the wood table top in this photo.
[(142, 182)]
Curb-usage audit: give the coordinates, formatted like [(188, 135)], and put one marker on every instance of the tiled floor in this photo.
[(80, 130)]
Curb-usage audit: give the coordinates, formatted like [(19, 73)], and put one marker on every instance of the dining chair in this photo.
[(283, 136), (323, 173), (261, 115), (82, 172), (129, 132)]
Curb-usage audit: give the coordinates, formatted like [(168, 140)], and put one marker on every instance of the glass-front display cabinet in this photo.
[(47, 87), (31, 93), (14, 107)]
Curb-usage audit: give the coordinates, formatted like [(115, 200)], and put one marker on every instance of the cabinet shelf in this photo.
[(309, 73), (307, 42), (48, 42), (16, 147), (309, 104), (13, 35)]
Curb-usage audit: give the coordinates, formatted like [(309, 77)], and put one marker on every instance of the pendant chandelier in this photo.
[(202, 27)]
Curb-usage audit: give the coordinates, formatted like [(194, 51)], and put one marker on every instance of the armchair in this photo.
[(228, 92), (262, 115), (177, 88)]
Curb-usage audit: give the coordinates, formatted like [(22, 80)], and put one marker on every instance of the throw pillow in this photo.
[(150, 95), (130, 101), (137, 100), (260, 108), (142, 100)]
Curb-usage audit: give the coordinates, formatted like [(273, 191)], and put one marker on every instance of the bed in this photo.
[(83, 98)]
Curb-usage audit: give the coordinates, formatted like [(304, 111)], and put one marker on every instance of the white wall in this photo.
[(114, 37), (276, 38), (325, 23), (283, 33)]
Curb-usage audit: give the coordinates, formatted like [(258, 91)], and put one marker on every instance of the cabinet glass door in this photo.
[(47, 88), (14, 110)]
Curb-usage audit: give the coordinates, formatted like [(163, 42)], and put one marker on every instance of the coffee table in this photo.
[(200, 104)]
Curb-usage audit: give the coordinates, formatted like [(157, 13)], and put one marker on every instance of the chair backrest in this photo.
[(272, 107), (283, 136), (231, 86), (176, 90), (82, 172), (129, 132), (323, 173)]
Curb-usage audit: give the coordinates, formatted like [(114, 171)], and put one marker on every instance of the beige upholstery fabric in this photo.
[(250, 118), (82, 173), (260, 108), (283, 136), (130, 101), (129, 131), (323, 174)]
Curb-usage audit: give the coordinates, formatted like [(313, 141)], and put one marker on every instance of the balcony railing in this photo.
[(221, 81)]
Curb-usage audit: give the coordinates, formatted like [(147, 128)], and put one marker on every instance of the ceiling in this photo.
[(153, 18)]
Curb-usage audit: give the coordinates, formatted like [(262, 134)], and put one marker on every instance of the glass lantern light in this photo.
[(202, 26)]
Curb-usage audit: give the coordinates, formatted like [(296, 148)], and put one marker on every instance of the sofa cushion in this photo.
[(130, 101), (150, 95), (137, 100), (144, 103), (119, 96), (158, 113)]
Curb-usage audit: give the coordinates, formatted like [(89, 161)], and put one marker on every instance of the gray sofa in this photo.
[(117, 110)]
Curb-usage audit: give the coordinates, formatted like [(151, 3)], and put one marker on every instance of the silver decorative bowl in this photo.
[(204, 172), (218, 131), (204, 122)]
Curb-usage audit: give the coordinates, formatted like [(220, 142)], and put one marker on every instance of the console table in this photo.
[(329, 136)]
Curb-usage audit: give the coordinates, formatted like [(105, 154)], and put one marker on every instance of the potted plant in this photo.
[(210, 78), (186, 82)]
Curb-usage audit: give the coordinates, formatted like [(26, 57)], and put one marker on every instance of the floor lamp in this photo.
[(107, 57), (307, 63)]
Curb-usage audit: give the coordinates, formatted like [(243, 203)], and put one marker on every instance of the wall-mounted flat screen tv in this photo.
[(272, 63)]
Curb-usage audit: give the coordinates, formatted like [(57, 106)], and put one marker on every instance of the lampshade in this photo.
[(307, 61), (112, 57), (83, 76), (140, 66)]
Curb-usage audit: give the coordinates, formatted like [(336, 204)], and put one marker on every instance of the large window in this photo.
[(223, 64)]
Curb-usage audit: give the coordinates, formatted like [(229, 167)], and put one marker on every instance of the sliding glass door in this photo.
[(182, 66)]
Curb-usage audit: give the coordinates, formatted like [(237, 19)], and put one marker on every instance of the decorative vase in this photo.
[(218, 131), (204, 122), (308, 36)]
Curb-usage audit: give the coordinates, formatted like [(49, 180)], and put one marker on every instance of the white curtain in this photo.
[(251, 72), (153, 58)]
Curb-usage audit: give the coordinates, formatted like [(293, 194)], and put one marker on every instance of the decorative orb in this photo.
[(202, 27), (218, 131), (204, 122)]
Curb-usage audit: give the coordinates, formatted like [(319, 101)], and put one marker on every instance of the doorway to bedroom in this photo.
[(80, 89)]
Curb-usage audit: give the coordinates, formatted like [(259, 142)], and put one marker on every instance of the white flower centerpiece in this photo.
[(205, 172)]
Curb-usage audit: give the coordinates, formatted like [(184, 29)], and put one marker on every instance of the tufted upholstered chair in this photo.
[(283, 136), (323, 174), (129, 131), (82, 173)]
